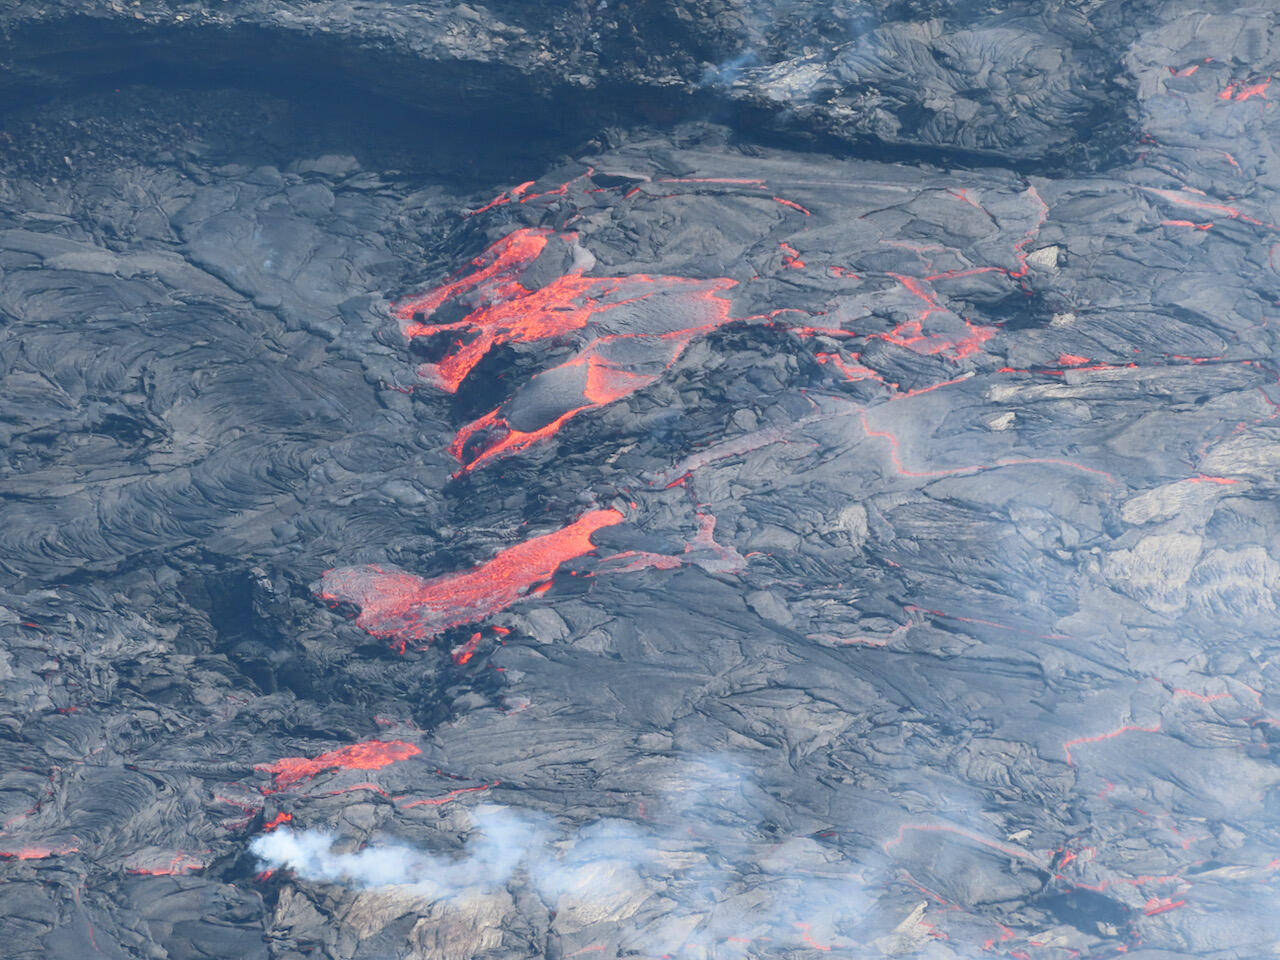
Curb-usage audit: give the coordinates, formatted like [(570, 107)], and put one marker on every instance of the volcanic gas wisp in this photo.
[(397, 604), (789, 893)]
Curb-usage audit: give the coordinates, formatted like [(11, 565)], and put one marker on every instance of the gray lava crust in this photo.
[(708, 479)]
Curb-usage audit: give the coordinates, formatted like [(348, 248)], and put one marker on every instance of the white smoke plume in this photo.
[(504, 840), (700, 882)]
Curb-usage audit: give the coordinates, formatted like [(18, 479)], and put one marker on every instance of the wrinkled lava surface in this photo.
[(663, 480)]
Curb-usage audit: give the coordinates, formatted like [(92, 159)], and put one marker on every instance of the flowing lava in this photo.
[(36, 853), (370, 755), (448, 797), (157, 866), (640, 325), (397, 604)]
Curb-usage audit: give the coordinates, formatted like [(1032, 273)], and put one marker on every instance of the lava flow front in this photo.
[(397, 604), (370, 755)]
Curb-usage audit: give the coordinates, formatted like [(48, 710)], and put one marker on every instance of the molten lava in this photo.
[(370, 755), (397, 604), (639, 326), (503, 310)]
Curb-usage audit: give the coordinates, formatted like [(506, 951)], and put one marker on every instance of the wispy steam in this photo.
[(701, 881), (726, 74), (502, 842)]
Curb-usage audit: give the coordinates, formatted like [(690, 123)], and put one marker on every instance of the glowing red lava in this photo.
[(370, 755), (178, 863), (805, 935), (1161, 905), (36, 852), (448, 797), (640, 325), (1182, 199), (397, 604), (1238, 90), (791, 257), (463, 653), (793, 205), (503, 310), (277, 820), (702, 550)]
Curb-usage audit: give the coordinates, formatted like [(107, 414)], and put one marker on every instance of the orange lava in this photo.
[(634, 326), (793, 205), (178, 864), (1161, 905), (276, 821), (397, 604), (791, 257), (503, 310), (448, 797), (1181, 198), (1237, 90), (370, 755), (37, 852), (503, 198), (808, 939), (463, 654)]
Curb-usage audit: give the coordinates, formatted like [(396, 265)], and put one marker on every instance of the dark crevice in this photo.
[(493, 116)]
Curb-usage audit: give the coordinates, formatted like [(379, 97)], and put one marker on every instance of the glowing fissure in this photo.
[(177, 864), (399, 605), (369, 755), (791, 257), (448, 797), (912, 334), (1238, 90), (462, 654), (37, 852), (793, 205), (1187, 198)]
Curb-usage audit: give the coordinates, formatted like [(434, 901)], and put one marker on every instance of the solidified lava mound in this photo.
[(676, 479)]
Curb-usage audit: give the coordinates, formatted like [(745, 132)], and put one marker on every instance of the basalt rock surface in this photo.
[(686, 480)]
